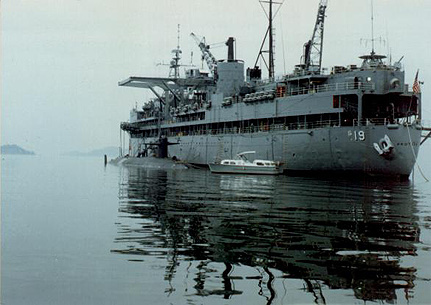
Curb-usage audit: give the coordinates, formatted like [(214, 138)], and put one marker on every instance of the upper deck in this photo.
[(373, 91)]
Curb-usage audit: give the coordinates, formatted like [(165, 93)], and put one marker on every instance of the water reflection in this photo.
[(330, 234)]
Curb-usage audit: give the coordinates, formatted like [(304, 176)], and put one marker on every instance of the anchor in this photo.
[(384, 147)]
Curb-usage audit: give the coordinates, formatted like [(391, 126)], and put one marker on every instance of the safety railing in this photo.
[(256, 129), (332, 88), (387, 121), (262, 128)]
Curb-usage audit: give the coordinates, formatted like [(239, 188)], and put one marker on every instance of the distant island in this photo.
[(14, 150), (109, 151)]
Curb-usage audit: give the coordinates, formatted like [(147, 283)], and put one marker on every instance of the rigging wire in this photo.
[(282, 44), (414, 155), (411, 142)]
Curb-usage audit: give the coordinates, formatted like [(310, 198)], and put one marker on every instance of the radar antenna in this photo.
[(313, 49), (206, 54), (175, 62)]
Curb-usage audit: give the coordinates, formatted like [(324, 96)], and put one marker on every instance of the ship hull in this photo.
[(347, 149)]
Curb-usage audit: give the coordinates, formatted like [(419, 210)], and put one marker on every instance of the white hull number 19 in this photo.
[(356, 135)]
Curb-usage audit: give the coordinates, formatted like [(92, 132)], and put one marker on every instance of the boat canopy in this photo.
[(246, 153)]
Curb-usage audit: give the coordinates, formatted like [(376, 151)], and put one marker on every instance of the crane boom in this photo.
[(313, 48), (206, 54)]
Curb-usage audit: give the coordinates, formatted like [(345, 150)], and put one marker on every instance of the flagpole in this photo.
[(417, 92)]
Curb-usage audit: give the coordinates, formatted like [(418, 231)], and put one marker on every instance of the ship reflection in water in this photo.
[(230, 236)]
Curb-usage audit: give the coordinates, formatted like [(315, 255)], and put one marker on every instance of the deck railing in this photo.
[(332, 88), (306, 126)]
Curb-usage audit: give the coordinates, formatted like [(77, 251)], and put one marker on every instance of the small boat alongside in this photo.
[(242, 165)]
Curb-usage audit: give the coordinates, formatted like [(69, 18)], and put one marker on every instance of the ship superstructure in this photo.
[(357, 118)]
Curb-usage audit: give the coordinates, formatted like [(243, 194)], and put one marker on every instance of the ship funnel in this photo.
[(230, 49)]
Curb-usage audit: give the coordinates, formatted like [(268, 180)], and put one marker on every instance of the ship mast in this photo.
[(175, 62), (372, 27), (269, 34), (271, 45), (373, 60)]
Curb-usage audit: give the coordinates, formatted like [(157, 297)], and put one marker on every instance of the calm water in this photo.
[(75, 232)]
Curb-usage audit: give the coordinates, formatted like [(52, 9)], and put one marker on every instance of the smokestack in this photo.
[(230, 50)]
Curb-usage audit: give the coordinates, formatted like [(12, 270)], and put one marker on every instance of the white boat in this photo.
[(242, 165)]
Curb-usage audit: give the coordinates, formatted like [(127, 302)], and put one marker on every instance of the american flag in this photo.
[(416, 85)]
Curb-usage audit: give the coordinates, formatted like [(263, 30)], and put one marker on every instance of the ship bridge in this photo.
[(372, 61)]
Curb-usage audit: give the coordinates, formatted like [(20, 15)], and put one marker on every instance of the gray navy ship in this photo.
[(356, 119)]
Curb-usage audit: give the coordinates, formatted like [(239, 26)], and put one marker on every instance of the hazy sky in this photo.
[(61, 60)]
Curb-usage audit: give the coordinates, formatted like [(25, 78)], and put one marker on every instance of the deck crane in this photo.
[(312, 58), (206, 54)]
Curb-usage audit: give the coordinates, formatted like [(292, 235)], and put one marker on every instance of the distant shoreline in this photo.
[(15, 150)]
